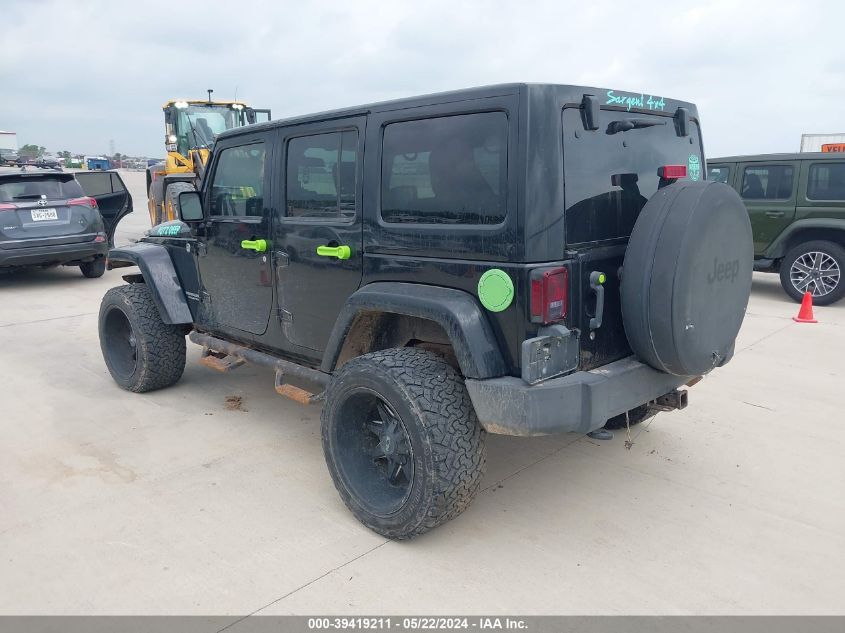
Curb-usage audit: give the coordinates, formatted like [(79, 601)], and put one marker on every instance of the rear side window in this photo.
[(101, 183), (321, 175), (446, 170), (238, 186), (826, 182), (24, 189), (719, 174), (767, 182)]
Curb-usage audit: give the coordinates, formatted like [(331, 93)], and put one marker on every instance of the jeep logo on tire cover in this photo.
[(723, 271)]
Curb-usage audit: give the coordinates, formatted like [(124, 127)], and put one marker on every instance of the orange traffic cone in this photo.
[(805, 314)]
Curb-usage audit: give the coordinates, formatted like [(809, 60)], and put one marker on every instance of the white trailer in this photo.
[(823, 142), (8, 140)]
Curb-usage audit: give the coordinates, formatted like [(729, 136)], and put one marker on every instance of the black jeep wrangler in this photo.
[(517, 259)]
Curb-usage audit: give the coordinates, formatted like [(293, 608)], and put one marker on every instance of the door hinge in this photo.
[(285, 316), (281, 259)]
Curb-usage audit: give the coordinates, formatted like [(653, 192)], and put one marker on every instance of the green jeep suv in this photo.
[(796, 203)]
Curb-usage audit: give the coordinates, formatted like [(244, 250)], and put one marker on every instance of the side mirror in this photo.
[(190, 206), (250, 116)]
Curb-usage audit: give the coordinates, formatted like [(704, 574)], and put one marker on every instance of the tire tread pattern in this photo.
[(161, 347), (449, 425)]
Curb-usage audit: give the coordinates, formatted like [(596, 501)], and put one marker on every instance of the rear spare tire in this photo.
[(687, 277)]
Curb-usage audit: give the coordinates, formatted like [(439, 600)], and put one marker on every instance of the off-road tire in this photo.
[(822, 246), (159, 348), (94, 269), (171, 198), (447, 440)]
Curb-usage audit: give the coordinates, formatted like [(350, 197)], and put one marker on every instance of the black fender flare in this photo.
[(160, 276), (778, 248), (456, 311)]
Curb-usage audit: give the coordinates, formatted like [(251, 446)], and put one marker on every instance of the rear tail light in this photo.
[(5, 206), (82, 202), (549, 289), (671, 172)]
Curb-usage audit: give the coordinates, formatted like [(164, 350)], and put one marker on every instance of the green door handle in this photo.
[(341, 252), (258, 246)]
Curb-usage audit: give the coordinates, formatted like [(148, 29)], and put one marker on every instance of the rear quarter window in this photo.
[(446, 170), (826, 181)]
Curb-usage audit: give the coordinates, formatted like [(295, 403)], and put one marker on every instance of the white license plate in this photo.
[(44, 214)]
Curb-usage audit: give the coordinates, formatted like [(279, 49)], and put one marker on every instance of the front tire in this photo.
[(815, 267), (142, 352), (402, 442)]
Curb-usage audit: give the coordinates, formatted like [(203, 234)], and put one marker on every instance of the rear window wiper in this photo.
[(27, 196), (623, 125)]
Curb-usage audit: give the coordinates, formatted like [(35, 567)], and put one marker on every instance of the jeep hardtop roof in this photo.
[(755, 158), (560, 93)]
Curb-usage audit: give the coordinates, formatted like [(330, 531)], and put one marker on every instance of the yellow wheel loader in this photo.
[(190, 127)]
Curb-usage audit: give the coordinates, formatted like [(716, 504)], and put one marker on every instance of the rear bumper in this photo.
[(580, 402), (54, 254)]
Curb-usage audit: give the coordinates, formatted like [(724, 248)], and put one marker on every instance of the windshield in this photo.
[(610, 173), (27, 188), (198, 125)]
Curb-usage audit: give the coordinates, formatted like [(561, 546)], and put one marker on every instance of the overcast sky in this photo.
[(75, 75)]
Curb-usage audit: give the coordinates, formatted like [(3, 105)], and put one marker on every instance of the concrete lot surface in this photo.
[(170, 502)]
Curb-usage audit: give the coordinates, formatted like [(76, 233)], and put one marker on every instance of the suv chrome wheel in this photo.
[(814, 267), (815, 272)]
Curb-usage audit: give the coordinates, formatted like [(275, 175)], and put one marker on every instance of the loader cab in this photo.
[(196, 124)]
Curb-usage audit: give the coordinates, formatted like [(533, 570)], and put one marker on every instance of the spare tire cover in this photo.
[(687, 277)]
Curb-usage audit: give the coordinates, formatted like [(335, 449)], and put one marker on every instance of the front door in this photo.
[(234, 253), (768, 191), (318, 242)]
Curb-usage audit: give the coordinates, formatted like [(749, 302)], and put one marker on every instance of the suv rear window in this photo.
[(826, 181), (446, 170), (22, 188), (609, 175)]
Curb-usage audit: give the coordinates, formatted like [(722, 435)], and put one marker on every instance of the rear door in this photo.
[(768, 191), (317, 245), (113, 199), (610, 173)]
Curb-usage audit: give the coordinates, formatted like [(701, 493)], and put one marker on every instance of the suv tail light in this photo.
[(5, 206), (549, 288), (82, 202)]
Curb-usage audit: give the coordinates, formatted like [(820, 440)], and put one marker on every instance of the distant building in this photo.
[(8, 140), (97, 162), (823, 142)]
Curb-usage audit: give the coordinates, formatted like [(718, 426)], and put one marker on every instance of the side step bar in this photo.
[(225, 356)]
